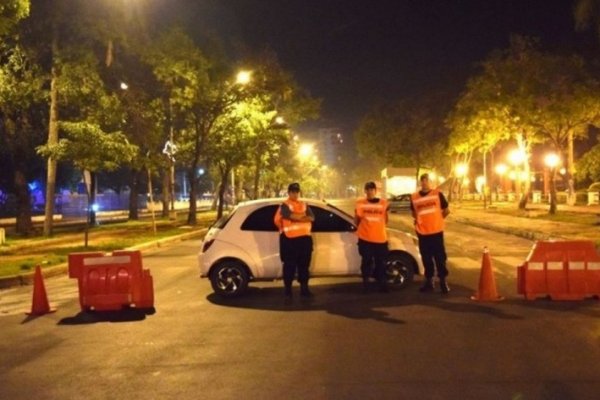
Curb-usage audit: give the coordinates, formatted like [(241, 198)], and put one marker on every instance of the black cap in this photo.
[(294, 187), (370, 185)]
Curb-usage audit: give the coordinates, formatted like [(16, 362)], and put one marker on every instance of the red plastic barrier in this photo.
[(111, 282), (562, 270)]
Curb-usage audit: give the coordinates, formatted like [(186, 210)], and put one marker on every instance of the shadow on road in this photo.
[(350, 301), (92, 317)]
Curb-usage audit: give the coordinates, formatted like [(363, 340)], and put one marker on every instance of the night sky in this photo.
[(354, 53)]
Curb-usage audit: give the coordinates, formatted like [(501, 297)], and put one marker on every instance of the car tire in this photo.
[(229, 278), (400, 269)]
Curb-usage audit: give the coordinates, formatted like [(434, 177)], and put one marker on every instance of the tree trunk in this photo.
[(257, 177), (526, 192), (552, 191), (134, 182), (222, 187), (24, 224), (165, 193), (572, 196), (52, 140), (191, 220)]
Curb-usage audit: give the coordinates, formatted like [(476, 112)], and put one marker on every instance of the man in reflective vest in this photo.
[(429, 208), (371, 217), (294, 220)]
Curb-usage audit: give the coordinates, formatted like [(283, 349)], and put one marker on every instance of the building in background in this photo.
[(330, 141)]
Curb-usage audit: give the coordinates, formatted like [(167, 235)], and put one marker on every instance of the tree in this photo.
[(232, 137), (91, 150), (194, 100), (407, 133), (588, 165), (21, 95), (11, 12), (529, 95)]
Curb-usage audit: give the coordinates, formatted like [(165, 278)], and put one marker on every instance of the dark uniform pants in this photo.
[(433, 253), (373, 253), (295, 253)]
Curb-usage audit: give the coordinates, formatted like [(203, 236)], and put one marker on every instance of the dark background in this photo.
[(355, 53)]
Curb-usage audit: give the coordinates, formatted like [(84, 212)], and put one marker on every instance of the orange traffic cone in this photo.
[(487, 284), (39, 303)]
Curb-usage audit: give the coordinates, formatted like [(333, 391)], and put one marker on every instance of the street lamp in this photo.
[(461, 170), (552, 160), (306, 150), (243, 77)]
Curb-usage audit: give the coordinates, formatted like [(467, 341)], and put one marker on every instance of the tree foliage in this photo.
[(11, 12)]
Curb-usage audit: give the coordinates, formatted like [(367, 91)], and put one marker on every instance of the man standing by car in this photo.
[(429, 208), (294, 220), (371, 217)]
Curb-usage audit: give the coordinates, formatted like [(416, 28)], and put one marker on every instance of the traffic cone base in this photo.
[(39, 303), (487, 284)]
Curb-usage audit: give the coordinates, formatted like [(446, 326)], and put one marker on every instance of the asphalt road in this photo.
[(344, 344)]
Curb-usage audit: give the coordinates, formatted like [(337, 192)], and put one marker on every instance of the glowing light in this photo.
[(243, 77), (306, 150), (501, 169), (517, 157), (461, 169), (552, 160)]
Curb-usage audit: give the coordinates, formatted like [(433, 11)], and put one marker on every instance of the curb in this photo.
[(61, 269)]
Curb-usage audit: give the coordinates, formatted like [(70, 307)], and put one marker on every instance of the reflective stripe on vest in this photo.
[(293, 229), (428, 210), (371, 226)]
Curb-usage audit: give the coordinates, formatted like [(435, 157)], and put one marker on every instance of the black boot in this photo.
[(444, 288), (304, 292), (287, 290), (427, 286)]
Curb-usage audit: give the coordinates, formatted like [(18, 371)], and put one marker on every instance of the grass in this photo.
[(560, 216), (22, 255)]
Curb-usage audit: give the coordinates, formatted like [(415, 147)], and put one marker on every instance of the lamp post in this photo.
[(552, 160)]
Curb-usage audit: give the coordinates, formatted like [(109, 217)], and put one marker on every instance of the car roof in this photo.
[(276, 200)]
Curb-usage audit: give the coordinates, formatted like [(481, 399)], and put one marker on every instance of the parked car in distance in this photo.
[(244, 246), (399, 203)]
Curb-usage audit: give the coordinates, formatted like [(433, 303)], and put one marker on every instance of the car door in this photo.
[(334, 244), (261, 238)]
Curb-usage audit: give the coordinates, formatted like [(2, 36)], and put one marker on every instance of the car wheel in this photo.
[(229, 279), (399, 269)]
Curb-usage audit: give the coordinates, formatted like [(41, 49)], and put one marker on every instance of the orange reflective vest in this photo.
[(428, 212), (371, 226), (293, 229)]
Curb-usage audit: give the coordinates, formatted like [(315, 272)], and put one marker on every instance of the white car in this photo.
[(244, 246)]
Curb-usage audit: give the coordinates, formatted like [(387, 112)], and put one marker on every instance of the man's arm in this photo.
[(286, 213), (444, 205)]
